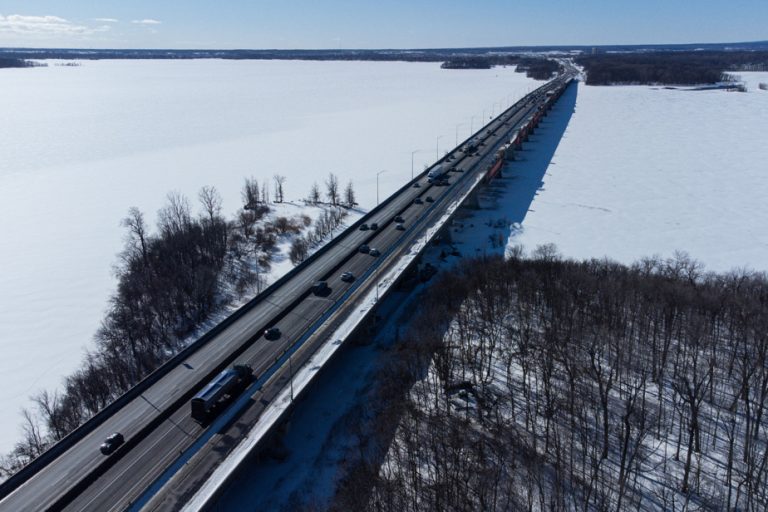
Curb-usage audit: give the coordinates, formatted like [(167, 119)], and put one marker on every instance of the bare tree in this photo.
[(137, 233), (349, 195), (264, 193), (332, 189), (279, 183), (211, 201), (314, 194), (174, 217), (250, 193), (299, 250)]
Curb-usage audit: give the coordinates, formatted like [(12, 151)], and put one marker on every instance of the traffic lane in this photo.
[(164, 444), (65, 472), (46, 487), (124, 483)]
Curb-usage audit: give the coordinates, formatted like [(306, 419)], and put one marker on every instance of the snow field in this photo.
[(643, 171)]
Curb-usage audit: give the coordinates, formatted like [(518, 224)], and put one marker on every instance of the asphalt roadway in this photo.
[(157, 425)]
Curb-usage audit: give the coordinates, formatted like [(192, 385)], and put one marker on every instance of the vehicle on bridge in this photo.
[(112, 443), (272, 333), (222, 389), (437, 173), (471, 146), (321, 288)]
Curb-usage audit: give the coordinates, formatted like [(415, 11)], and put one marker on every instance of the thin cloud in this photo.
[(45, 26), (106, 20), (147, 21)]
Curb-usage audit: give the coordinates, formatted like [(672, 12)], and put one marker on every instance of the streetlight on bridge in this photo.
[(413, 153), (457, 133)]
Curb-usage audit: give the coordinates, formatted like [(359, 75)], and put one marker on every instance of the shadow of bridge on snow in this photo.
[(506, 201)]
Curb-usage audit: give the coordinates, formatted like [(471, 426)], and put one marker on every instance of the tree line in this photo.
[(547, 384), (171, 282), (669, 68), (7, 62), (538, 68)]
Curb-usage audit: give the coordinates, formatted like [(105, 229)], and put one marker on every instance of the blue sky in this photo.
[(368, 24)]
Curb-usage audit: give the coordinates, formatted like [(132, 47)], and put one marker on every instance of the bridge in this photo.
[(169, 460)]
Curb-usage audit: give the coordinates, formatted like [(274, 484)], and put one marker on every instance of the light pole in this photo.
[(437, 147), (377, 186), (472, 124), (457, 133)]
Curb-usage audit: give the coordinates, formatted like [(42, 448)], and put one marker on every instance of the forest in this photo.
[(538, 383), (534, 67), (669, 68), (6, 62)]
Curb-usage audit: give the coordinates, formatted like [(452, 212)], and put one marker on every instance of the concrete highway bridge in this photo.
[(170, 461)]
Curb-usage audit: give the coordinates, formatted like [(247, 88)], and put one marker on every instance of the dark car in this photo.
[(429, 199), (347, 277), (363, 227), (320, 288), (111, 443), (272, 333), (400, 227), (416, 185), (374, 252), (364, 249), (374, 226), (399, 219), (418, 201)]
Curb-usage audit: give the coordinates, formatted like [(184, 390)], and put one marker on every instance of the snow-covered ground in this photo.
[(643, 171), (80, 145)]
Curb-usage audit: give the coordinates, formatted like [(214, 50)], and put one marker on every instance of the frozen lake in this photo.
[(646, 170), (80, 145)]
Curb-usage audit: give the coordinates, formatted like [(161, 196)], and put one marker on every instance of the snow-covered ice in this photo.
[(80, 145), (645, 170)]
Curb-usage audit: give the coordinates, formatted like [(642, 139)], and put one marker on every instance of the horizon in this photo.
[(339, 24), (426, 49)]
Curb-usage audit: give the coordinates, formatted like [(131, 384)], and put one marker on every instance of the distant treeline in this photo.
[(411, 54), (538, 69), (467, 63), (534, 67), (17, 63), (669, 68)]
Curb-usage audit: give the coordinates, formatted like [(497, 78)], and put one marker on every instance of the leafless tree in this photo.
[(279, 185), (349, 195), (210, 199), (251, 194), (314, 194), (332, 189), (137, 233), (264, 193)]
